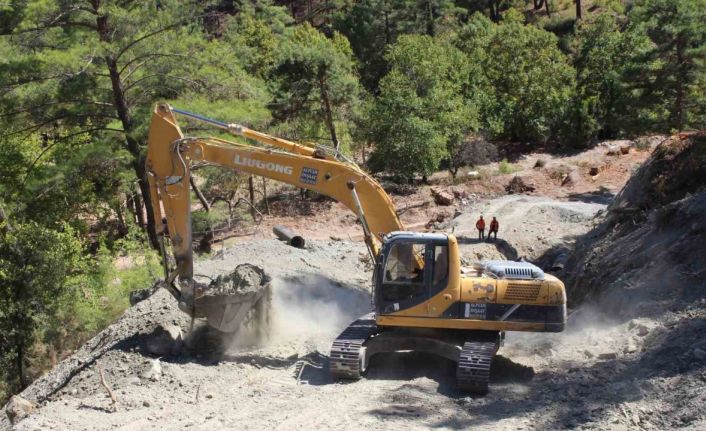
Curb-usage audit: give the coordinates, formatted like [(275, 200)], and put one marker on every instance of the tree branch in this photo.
[(60, 139), (152, 54)]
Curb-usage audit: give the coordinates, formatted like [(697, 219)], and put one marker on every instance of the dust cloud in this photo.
[(309, 308), (314, 305)]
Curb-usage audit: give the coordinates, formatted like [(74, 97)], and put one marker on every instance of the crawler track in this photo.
[(346, 358), (473, 369)]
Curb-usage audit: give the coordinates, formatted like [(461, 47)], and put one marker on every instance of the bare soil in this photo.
[(614, 368)]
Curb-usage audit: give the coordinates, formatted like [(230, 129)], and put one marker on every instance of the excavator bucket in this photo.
[(241, 297), (227, 312)]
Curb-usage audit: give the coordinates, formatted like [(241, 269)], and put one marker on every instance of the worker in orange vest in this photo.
[(494, 226), (480, 225)]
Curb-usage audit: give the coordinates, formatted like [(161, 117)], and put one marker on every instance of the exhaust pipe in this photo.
[(292, 238)]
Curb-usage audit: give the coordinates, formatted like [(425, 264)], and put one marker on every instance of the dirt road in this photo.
[(603, 372)]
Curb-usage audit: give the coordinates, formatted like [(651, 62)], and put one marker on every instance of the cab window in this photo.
[(405, 264), (441, 264)]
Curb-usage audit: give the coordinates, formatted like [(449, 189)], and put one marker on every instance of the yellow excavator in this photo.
[(423, 299)]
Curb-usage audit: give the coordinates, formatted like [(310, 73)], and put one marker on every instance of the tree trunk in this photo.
[(264, 194), (678, 115), (4, 222), (578, 10), (388, 35), (494, 10), (130, 204), (138, 209), (122, 226), (133, 146), (430, 19), (546, 5), (251, 188), (202, 198), (20, 360), (327, 108), (453, 171)]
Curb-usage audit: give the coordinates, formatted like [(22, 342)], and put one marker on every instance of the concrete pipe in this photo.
[(292, 238), (560, 261)]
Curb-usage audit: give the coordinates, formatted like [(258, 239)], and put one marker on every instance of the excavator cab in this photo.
[(412, 268)]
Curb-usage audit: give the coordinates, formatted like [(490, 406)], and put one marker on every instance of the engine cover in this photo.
[(514, 270)]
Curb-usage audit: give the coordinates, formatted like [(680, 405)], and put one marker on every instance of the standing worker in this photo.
[(480, 225), (494, 225)]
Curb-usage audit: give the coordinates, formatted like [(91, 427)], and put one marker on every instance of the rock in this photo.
[(146, 403), (540, 163), (439, 218), (571, 179), (613, 150), (594, 170), (18, 408), (641, 327), (519, 185), (473, 174), (442, 197), (700, 354), (588, 354), (625, 149), (142, 294), (608, 356), (635, 418), (459, 193), (631, 347), (153, 372), (165, 340)]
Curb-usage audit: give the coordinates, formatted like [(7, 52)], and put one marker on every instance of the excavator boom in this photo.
[(169, 158)]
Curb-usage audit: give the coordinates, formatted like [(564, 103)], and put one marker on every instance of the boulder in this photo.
[(572, 178), (18, 408), (442, 197), (165, 340), (519, 185), (613, 150), (459, 193), (153, 371)]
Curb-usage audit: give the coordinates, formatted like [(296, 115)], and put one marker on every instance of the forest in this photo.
[(405, 87)]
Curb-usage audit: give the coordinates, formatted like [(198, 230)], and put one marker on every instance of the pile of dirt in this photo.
[(675, 170), (655, 231), (518, 185), (639, 279), (246, 278)]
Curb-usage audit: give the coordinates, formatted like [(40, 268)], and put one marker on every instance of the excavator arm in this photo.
[(170, 154)]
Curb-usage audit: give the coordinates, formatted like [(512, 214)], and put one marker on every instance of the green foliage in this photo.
[(530, 83), (372, 26), (104, 292), (315, 82), (421, 113), (36, 265), (602, 100), (505, 167), (670, 73)]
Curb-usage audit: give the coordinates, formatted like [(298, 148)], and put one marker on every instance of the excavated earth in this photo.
[(632, 357)]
